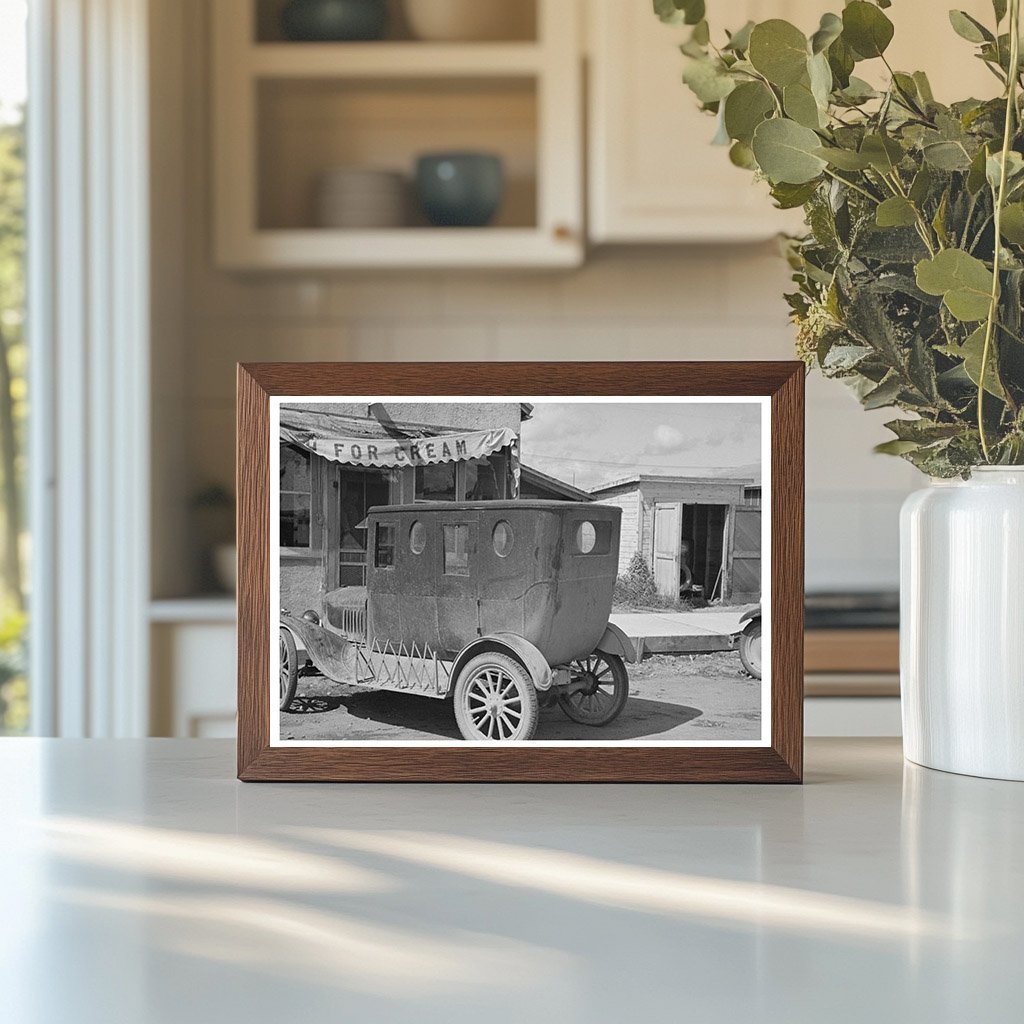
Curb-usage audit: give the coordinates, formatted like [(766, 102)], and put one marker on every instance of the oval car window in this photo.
[(586, 537), (417, 538), (502, 538)]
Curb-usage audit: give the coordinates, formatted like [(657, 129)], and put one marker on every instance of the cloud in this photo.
[(669, 441)]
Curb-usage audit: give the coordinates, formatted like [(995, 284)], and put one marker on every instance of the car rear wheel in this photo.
[(750, 649), (599, 689), (495, 700), (289, 657)]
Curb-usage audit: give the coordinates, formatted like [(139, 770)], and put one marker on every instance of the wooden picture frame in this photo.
[(780, 759)]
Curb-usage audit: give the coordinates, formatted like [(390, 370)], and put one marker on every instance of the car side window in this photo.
[(384, 546), (456, 549), (591, 538)]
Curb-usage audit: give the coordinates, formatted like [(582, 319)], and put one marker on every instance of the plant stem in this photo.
[(856, 188), (993, 309)]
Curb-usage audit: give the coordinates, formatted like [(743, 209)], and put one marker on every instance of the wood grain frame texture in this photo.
[(782, 761)]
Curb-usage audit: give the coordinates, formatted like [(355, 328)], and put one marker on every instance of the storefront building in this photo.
[(338, 460)]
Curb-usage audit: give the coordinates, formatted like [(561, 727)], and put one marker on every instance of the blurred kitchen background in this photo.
[(263, 190)]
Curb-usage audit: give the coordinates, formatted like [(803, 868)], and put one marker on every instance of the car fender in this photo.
[(514, 645), (333, 655), (616, 642), (754, 612)]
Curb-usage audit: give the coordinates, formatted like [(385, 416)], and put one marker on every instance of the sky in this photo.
[(12, 56), (592, 444)]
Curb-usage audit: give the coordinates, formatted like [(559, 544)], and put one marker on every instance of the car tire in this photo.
[(605, 695), (495, 700), (750, 648), (289, 665)]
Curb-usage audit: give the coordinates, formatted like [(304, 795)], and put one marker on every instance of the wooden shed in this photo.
[(694, 531)]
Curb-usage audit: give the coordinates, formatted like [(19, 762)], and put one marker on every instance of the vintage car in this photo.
[(500, 606)]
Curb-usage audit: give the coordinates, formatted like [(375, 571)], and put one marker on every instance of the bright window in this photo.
[(14, 546)]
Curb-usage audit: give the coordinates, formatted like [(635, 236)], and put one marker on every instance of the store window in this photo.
[(436, 483), (361, 490), (485, 477), (296, 497)]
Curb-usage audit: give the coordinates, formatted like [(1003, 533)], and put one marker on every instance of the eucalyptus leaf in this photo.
[(963, 281), (844, 159), (972, 353), (1012, 225), (829, 30), (741, 155), (674, 12), (789, 197), (786, 152), (1014, 169), (969, 28), (739, 41), (883, 153), (779, 51), (819, 75), (800, 105), (947, 156), (708, 80), (895, 212), (866, 29), (745, 108), (895, 447), (842, 61)]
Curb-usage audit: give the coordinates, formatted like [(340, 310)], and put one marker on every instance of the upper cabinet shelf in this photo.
[(316, 144), (394, 59)]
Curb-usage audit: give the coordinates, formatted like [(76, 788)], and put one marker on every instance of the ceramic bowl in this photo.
[(334, 20), (359, 197), (470, 20), (460, 189)]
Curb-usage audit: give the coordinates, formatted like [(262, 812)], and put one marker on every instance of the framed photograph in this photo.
[(585, 572)]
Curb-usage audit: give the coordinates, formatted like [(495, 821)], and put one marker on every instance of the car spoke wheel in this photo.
[(750, 649), (599, 689), (289, 667), (495, 700)]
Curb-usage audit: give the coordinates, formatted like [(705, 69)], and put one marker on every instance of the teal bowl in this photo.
[(334, 21), (460, 190)]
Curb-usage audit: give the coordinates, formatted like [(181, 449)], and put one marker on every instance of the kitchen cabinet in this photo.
[(653, 175), (287, 113)]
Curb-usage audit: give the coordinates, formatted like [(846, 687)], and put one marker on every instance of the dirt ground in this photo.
[(671, 697)]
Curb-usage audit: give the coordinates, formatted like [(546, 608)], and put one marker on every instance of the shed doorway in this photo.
[(691, 550), (703, 549)]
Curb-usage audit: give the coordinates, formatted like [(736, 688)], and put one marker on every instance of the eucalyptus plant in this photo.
[(910, 278)]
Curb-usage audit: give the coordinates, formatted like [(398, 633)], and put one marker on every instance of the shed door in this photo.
[(667, 533), (746, 557)]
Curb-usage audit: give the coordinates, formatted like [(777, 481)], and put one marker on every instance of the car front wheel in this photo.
[(495, 700), (289, 657)]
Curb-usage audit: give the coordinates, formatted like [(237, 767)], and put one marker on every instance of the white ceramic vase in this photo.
[(962, 624)]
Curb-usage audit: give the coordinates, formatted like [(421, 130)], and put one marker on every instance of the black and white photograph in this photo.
[(588, 571)]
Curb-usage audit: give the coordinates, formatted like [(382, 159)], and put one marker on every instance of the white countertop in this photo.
[(143, 885)]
